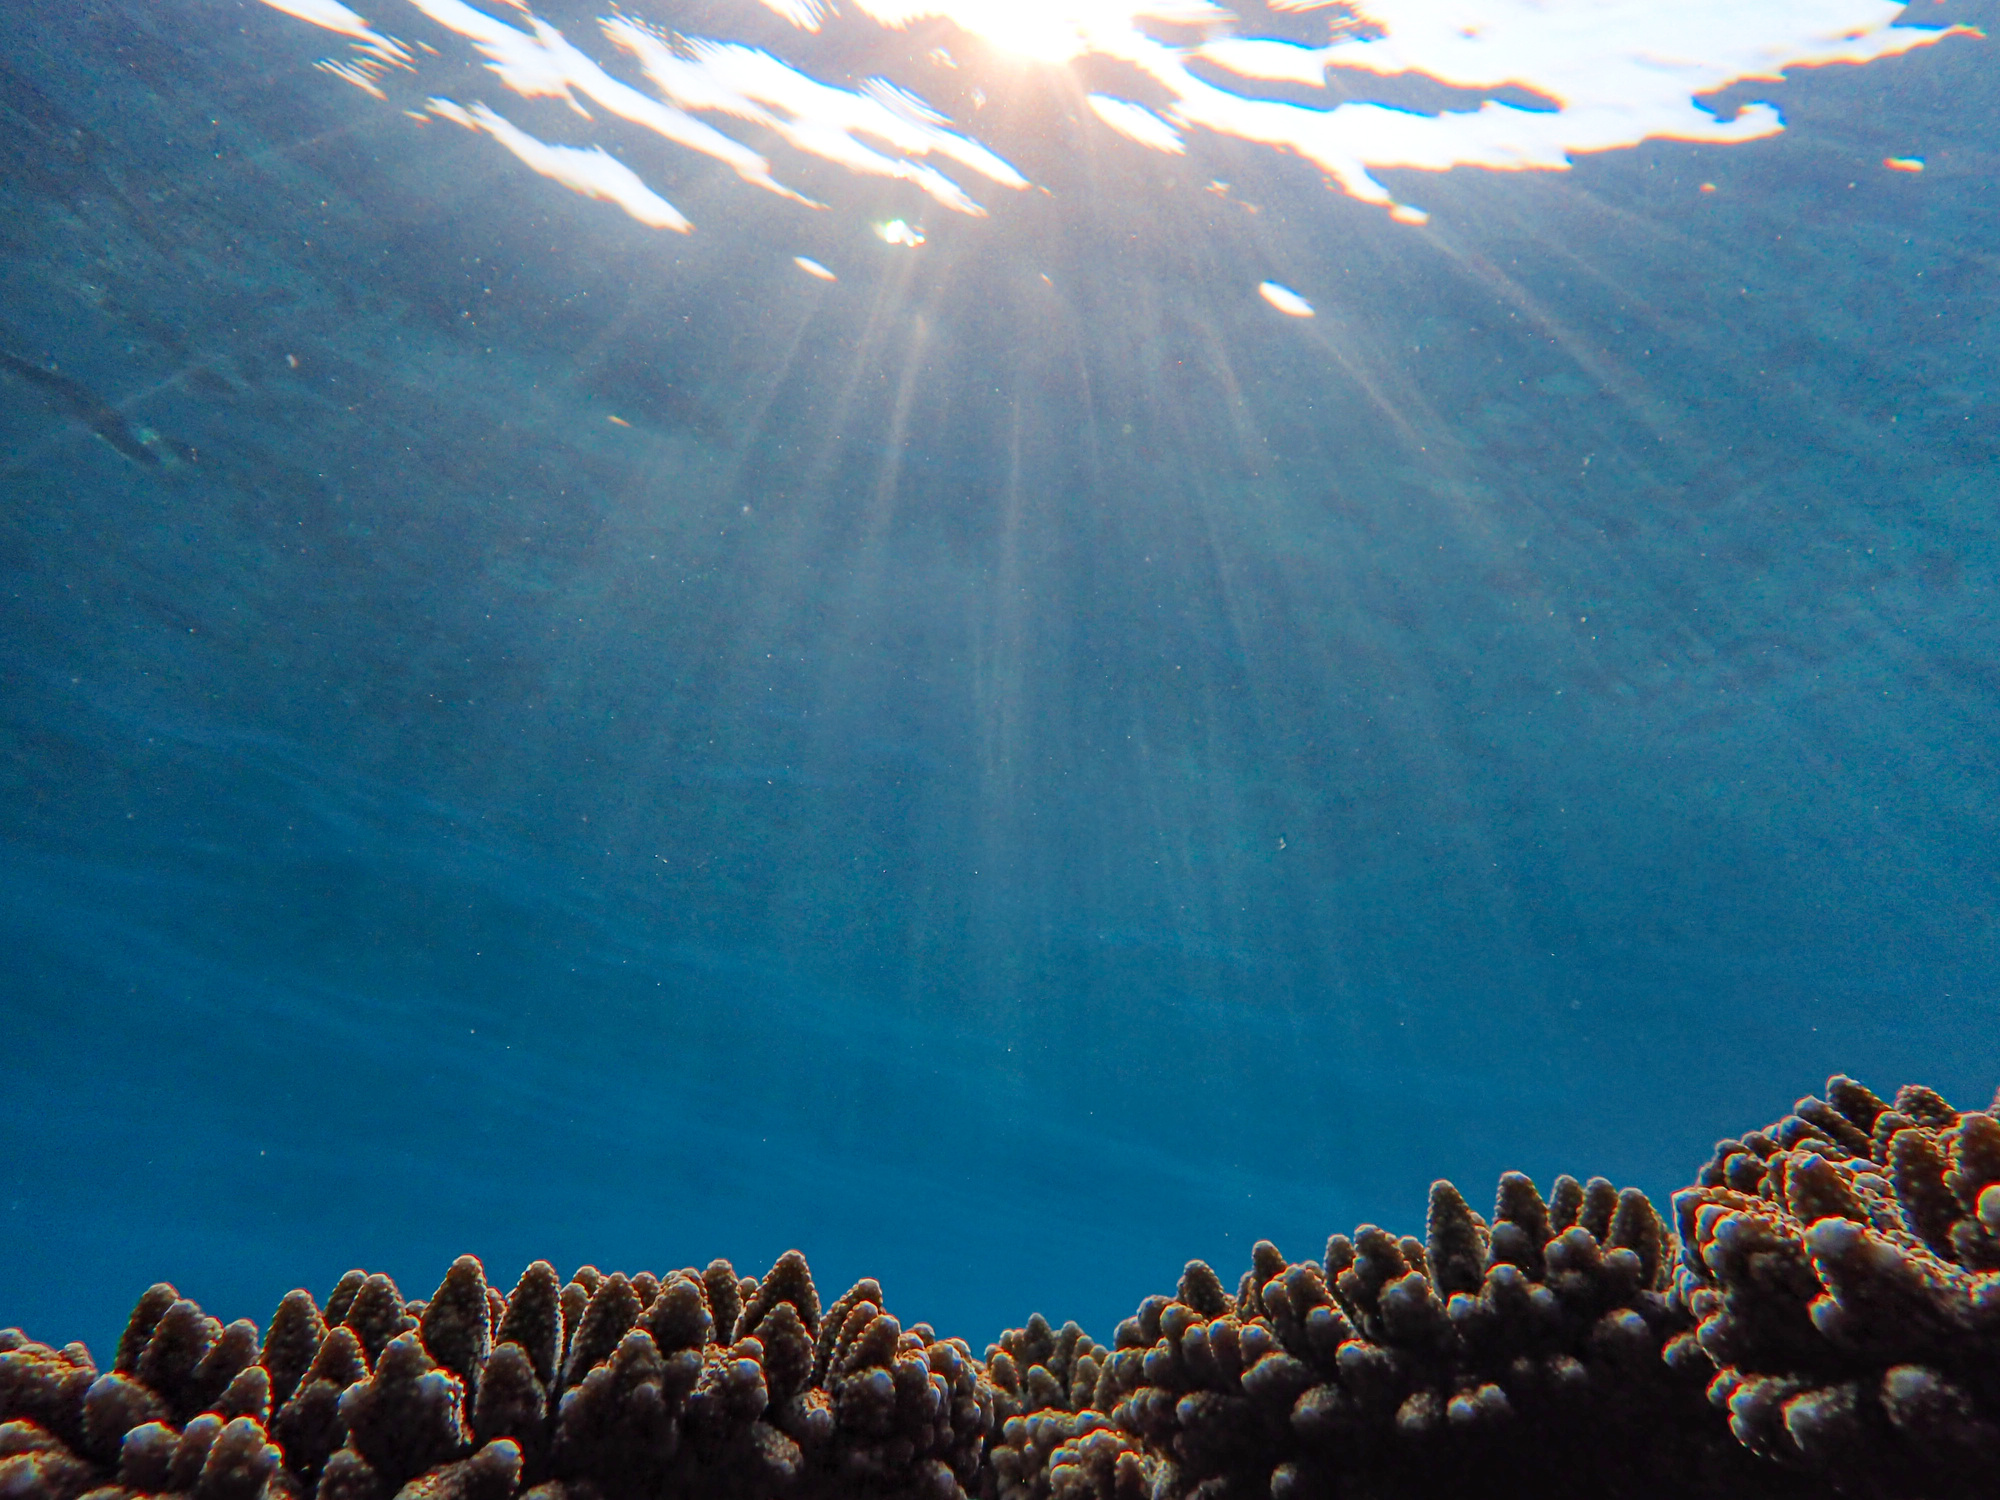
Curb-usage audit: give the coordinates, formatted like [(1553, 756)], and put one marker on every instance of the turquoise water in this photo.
[(530, 733)]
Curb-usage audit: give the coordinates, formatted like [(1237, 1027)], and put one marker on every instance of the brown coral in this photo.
[(1825, 1321), (605, 1388), (1391, 1366), (1842, 1267)]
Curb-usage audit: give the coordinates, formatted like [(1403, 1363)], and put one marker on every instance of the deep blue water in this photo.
[(1004, 784)]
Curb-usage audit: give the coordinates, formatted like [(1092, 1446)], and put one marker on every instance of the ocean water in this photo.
[(531, 732)]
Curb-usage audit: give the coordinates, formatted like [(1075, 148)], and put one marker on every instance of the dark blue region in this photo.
[(1005, 772)]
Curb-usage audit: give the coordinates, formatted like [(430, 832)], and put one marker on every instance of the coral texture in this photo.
[(1392, 1366), (1826, 1321), (1842, 1268), (603, 1388)]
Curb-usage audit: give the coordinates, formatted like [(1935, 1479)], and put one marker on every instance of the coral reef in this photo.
[(604, 1388), (1822, 1318), (1841, 1265), (1393, 1366)]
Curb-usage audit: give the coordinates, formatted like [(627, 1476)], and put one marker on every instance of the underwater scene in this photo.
[(787, 749)]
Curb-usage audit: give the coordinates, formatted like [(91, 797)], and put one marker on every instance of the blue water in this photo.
[(1003, 784)]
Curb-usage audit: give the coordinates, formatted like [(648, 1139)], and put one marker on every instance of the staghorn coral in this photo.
[(1826, 1321), (1841, 1265)]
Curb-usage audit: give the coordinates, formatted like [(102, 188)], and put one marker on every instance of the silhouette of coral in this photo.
[(1825, 1321)]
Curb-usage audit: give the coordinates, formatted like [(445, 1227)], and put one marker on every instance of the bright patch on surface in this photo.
[(849, 128), (1048, 31), (1287, 301), (1609, 74), (1137, 123), (1619, 74), (354, 71), (591, 172), (331, 15), (807, 15), (896, 232), (813, 268), (1618, 71)]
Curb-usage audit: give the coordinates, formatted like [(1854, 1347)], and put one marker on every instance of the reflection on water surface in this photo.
[(1596, 77)]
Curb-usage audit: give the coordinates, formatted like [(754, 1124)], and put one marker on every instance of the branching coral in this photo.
[(604, 1388), (1826, 1321), (1841, 1264), (1392, 1366)]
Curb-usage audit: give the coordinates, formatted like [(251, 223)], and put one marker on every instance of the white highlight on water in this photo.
[(1137, 123), (1598, 75), (592, 171)]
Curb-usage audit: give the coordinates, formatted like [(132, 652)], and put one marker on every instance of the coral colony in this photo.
[(1822, 1317)]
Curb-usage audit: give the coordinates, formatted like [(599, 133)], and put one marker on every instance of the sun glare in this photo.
[(1047, 31)]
